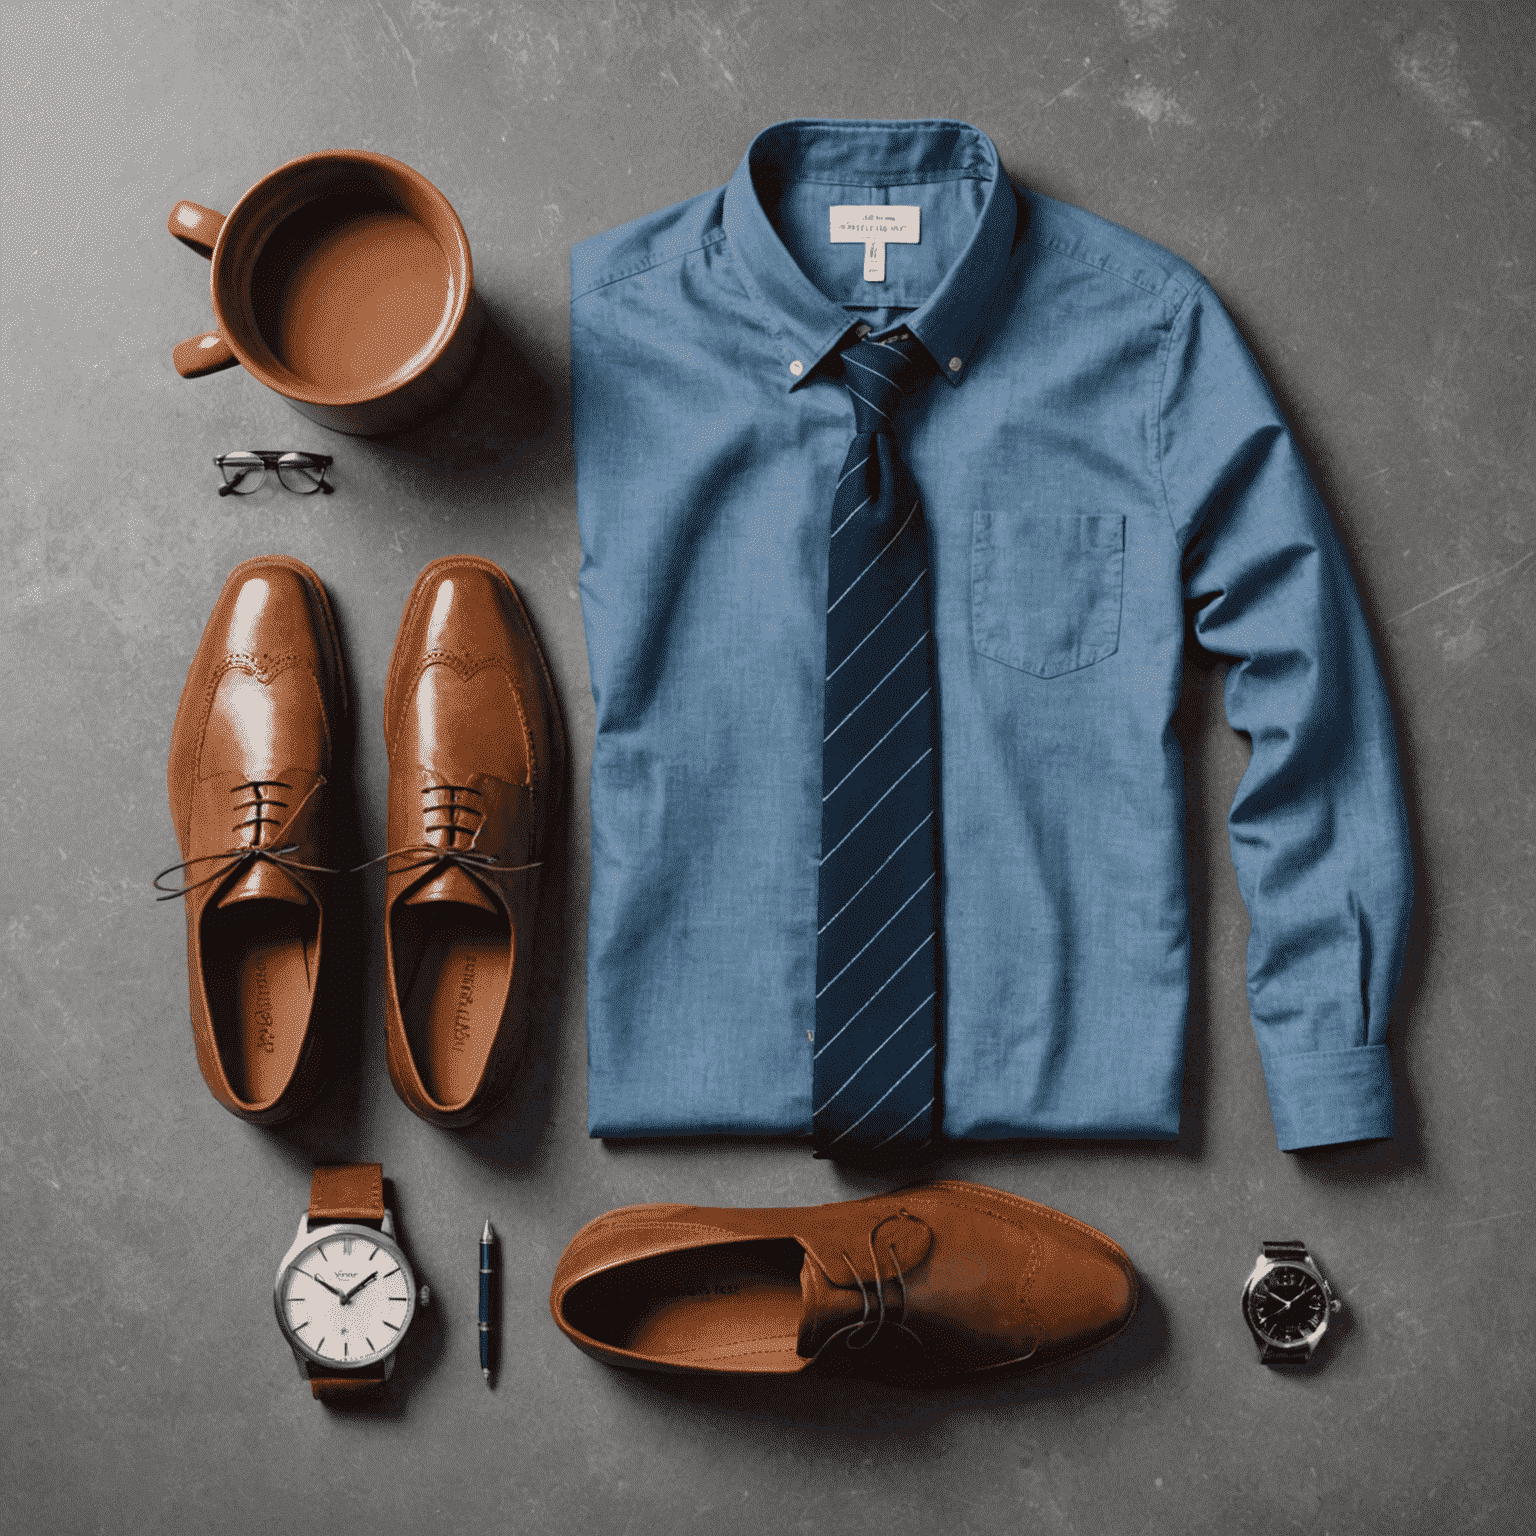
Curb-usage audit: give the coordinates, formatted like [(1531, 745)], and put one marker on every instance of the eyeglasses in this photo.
[(301, 473)]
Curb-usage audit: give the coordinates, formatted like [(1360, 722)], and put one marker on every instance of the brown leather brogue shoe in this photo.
[(936, 1281), (476, 763), (250, 753)]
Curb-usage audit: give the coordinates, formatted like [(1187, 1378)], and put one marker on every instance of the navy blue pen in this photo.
[(486, 1238)]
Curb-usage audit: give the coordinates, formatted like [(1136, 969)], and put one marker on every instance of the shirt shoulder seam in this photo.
[(1157, 418), (1174, 281), (713, 238)]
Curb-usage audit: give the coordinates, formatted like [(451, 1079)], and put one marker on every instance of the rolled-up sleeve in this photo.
[(1318, 830)]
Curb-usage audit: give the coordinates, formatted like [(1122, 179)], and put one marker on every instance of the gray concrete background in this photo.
[(1355, 179)]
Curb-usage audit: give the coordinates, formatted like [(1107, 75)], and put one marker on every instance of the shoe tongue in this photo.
[(452, 885), (265, 881), (824, 1308)]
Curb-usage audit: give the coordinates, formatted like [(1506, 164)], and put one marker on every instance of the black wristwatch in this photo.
[(1287, 1304)]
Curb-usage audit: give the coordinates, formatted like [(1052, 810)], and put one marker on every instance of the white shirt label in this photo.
[(874, 226)]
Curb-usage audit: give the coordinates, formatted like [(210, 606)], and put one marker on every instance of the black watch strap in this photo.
[(1286, 1248), (1272, 1354), (1280, 1250)]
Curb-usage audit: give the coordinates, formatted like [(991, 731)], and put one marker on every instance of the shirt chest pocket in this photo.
[(1046, 589)]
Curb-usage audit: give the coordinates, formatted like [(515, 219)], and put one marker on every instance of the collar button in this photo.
[(797, 367), (954, 365)]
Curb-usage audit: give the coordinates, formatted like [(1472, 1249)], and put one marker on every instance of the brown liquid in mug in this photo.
[(350, 291)]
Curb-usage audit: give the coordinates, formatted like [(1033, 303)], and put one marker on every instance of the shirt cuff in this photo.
[(1322, 1097)]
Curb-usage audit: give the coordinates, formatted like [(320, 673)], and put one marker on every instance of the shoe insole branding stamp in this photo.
[(259, 972), (453, 1000)]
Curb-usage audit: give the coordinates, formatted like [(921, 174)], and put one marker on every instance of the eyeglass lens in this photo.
[(300, 473), (243, 472)]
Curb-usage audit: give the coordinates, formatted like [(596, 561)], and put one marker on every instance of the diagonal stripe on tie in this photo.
[(869, 1001), (859, 953), (917, 703), (844, 719), (878, 1007), (852, 470), (883, 1097), (845, 1082), (853, 514), (871, 633), (900, 1128), (891, 855), (871, 811), (873, 563)]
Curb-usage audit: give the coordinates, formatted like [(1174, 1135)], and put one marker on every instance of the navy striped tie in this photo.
[(877, 953)]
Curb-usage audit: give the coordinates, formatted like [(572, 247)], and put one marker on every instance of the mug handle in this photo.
[(195, 226), (198, 355), (198, 229)]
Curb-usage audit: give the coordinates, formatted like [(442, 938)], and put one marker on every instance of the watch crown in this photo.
[(424, 1296)]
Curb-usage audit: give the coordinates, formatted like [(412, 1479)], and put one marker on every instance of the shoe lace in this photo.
[(456, 817), (883, 1315), (244, 855)]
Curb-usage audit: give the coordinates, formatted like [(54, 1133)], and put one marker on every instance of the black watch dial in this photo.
[(1288, 1305)]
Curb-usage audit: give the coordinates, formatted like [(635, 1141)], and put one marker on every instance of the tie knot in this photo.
[(878, 374)]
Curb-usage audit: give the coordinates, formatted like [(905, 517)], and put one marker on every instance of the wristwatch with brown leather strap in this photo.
[(345, 1292)]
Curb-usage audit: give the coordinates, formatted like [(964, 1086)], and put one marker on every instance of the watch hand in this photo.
[(318, 1281), (347, 1296)]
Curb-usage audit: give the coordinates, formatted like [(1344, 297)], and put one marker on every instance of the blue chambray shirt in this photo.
[(1098, 456)]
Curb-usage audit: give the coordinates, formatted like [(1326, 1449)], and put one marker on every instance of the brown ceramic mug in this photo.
[(343, 281)]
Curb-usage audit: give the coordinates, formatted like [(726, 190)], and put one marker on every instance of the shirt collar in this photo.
[(810, 325)]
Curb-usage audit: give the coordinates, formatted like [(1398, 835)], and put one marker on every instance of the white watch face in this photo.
[(345, 1300)]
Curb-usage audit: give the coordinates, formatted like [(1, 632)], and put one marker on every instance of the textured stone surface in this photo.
[(1357, 183)]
